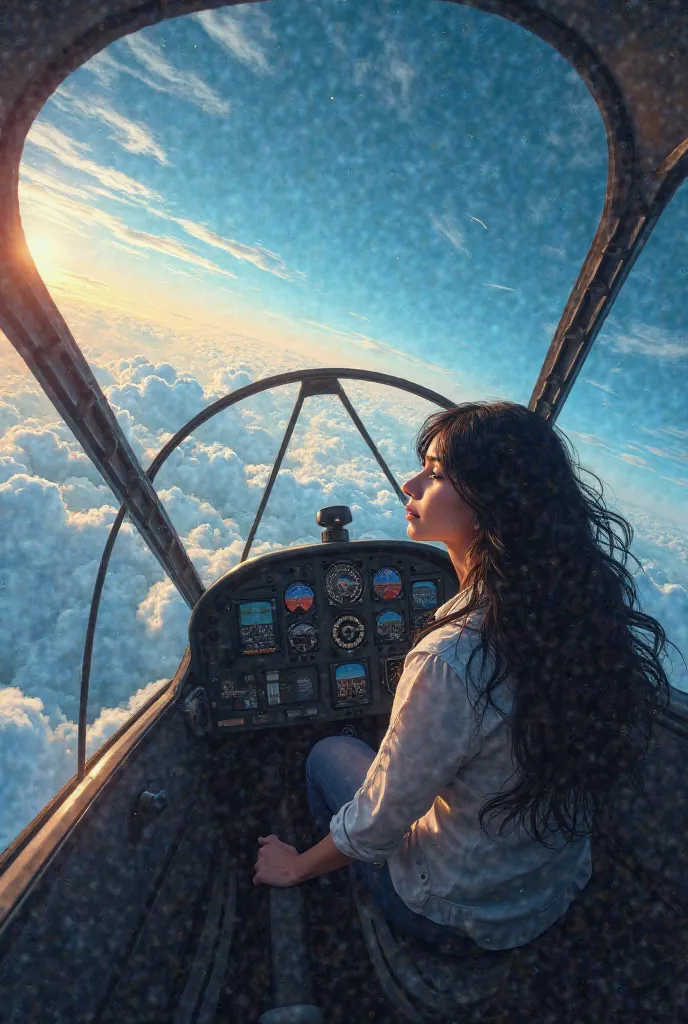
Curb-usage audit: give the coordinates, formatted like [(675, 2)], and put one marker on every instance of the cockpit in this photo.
[(314, 633), (484, 196)]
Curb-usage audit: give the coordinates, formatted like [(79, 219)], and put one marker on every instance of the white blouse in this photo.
[(418, 806)]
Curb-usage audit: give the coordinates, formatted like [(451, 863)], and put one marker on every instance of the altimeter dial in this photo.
[(343, 583), (348, 632)]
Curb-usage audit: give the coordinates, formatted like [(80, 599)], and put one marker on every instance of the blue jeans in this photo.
[(335, 770)]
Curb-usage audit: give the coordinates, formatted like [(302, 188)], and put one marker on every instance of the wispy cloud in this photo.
[(106, 68), (57, 186), (478, 221), (39, 189), (83, 279), (39, 203), (186, 85), (74, 154), (500, 287), (553, 250), (596, 384), (359, 317), (366, 342), (243, 31), (400, 75), (645, 340), (260, 257), (540, 208), (386, 72), (448, 229), (130, 135), (160, 75), (636, 460)]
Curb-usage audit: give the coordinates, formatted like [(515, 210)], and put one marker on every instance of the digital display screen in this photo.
[(424, 594), (257, 634), (350, 685)]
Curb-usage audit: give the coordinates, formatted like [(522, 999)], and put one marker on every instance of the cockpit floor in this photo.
[(621, 959)]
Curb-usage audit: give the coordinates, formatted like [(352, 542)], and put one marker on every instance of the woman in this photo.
[(570, 686)]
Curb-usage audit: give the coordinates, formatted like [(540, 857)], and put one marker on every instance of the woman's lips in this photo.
[(412, 515)]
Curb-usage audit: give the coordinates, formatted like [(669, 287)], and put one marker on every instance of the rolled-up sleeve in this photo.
[(431, 734)]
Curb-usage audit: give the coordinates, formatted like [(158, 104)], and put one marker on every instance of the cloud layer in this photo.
[(58, 513)]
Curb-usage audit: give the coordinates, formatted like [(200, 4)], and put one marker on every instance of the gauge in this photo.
[(348, 632), (302, 636), (351, 685), (343, 583), (387, 584), (421, 619), (390, 627), (299, 597), (425, 594)]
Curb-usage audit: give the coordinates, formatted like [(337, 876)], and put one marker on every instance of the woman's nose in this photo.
[(407, 488)]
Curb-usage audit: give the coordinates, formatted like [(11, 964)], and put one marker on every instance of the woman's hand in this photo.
[(276, 863)]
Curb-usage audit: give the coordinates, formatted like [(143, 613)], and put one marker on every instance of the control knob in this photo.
[(334, 518)]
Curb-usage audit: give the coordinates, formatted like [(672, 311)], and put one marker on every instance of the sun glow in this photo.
[(44, 252)]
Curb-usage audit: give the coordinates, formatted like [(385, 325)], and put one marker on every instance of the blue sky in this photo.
[(424, 179)]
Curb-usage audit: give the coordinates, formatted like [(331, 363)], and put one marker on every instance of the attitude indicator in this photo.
[(299, 598), (387, 584)]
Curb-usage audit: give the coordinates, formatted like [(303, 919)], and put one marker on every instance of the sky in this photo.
[(229, 195)]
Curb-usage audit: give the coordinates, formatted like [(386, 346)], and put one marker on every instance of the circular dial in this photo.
[(387, 584), (348, 632), (299, 597), (302, 636), (390, 626), (343, 583)]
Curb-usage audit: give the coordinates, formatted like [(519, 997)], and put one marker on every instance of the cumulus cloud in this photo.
[(56, 514), (41, 757)]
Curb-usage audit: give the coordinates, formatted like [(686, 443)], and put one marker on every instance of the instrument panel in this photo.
[(318, 632)]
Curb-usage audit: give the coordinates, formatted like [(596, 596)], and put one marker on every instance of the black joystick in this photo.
[(334, 518)]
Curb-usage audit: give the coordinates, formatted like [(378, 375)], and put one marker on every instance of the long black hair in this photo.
[(558, 614)]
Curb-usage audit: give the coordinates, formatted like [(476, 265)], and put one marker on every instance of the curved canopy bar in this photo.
[(641, 47), (313, 382)]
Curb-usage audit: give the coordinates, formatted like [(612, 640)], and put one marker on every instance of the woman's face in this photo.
[(437, 512)]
